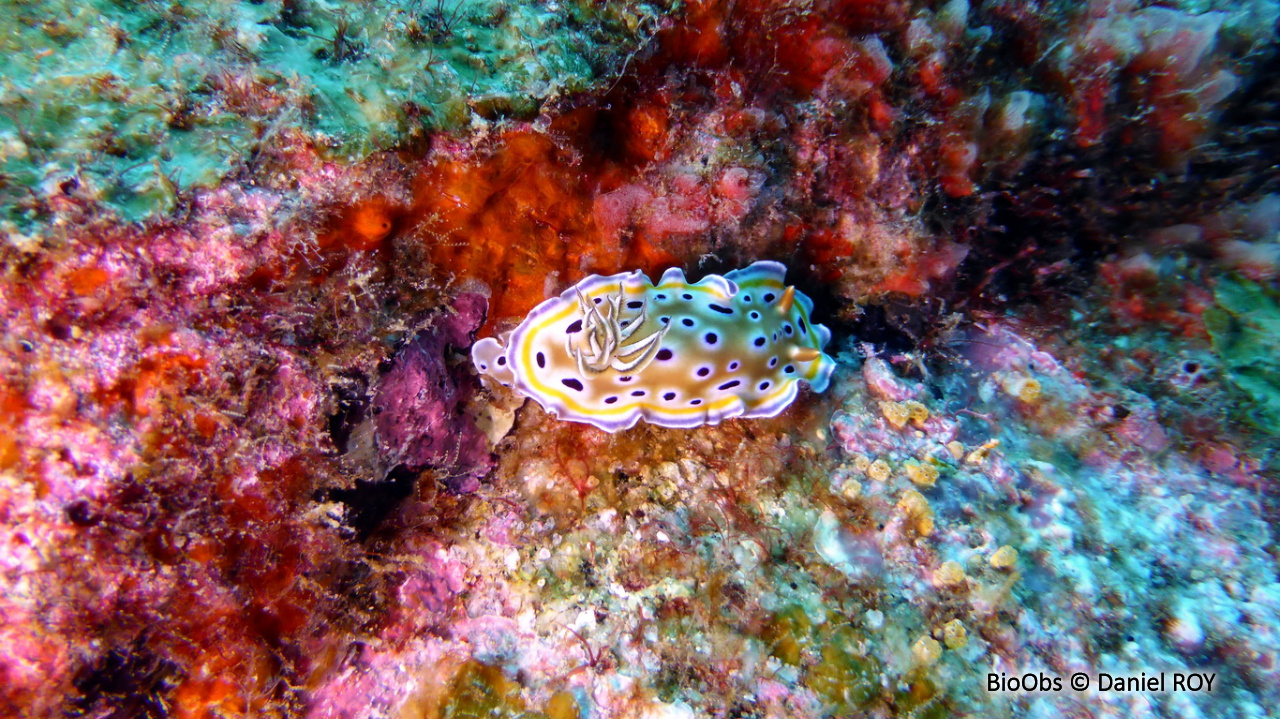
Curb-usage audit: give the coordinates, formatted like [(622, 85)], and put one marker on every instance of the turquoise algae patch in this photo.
[(1245, 329), (133, 103), (612, 350)]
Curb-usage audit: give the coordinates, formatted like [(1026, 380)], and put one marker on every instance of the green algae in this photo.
[(130, 103), (848, 676), (846, 680), (1245, 329), (482, 691), (787, 633), (850, 683)]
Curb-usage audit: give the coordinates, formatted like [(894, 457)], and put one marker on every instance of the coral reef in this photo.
[(247, 466)]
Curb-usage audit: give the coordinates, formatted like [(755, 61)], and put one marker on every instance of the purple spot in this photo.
[(669, 396), (664, 355), (542, 360), (729, 385), (704, 371), (572, 384), (711, 338), (759, 342)]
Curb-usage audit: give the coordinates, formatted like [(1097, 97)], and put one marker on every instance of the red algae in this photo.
[(160, 447)]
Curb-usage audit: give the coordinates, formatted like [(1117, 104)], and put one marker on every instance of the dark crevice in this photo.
[(351, 400), (370, 503), (124, 683), (889, 330)]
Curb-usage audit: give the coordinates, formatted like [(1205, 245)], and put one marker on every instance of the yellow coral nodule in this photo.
[(916, 508), (917, 412), (895, 413), (954, 635), (926, 651), (879, 470), (1004, 557), (979, 455), (921, 474), (949, 574)]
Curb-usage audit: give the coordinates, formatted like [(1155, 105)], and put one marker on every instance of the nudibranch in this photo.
[(610, 351)]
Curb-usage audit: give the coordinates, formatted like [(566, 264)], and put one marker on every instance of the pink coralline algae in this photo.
[(421, 404)]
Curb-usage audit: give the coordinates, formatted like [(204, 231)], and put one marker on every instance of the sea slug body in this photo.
[(612, 350)]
